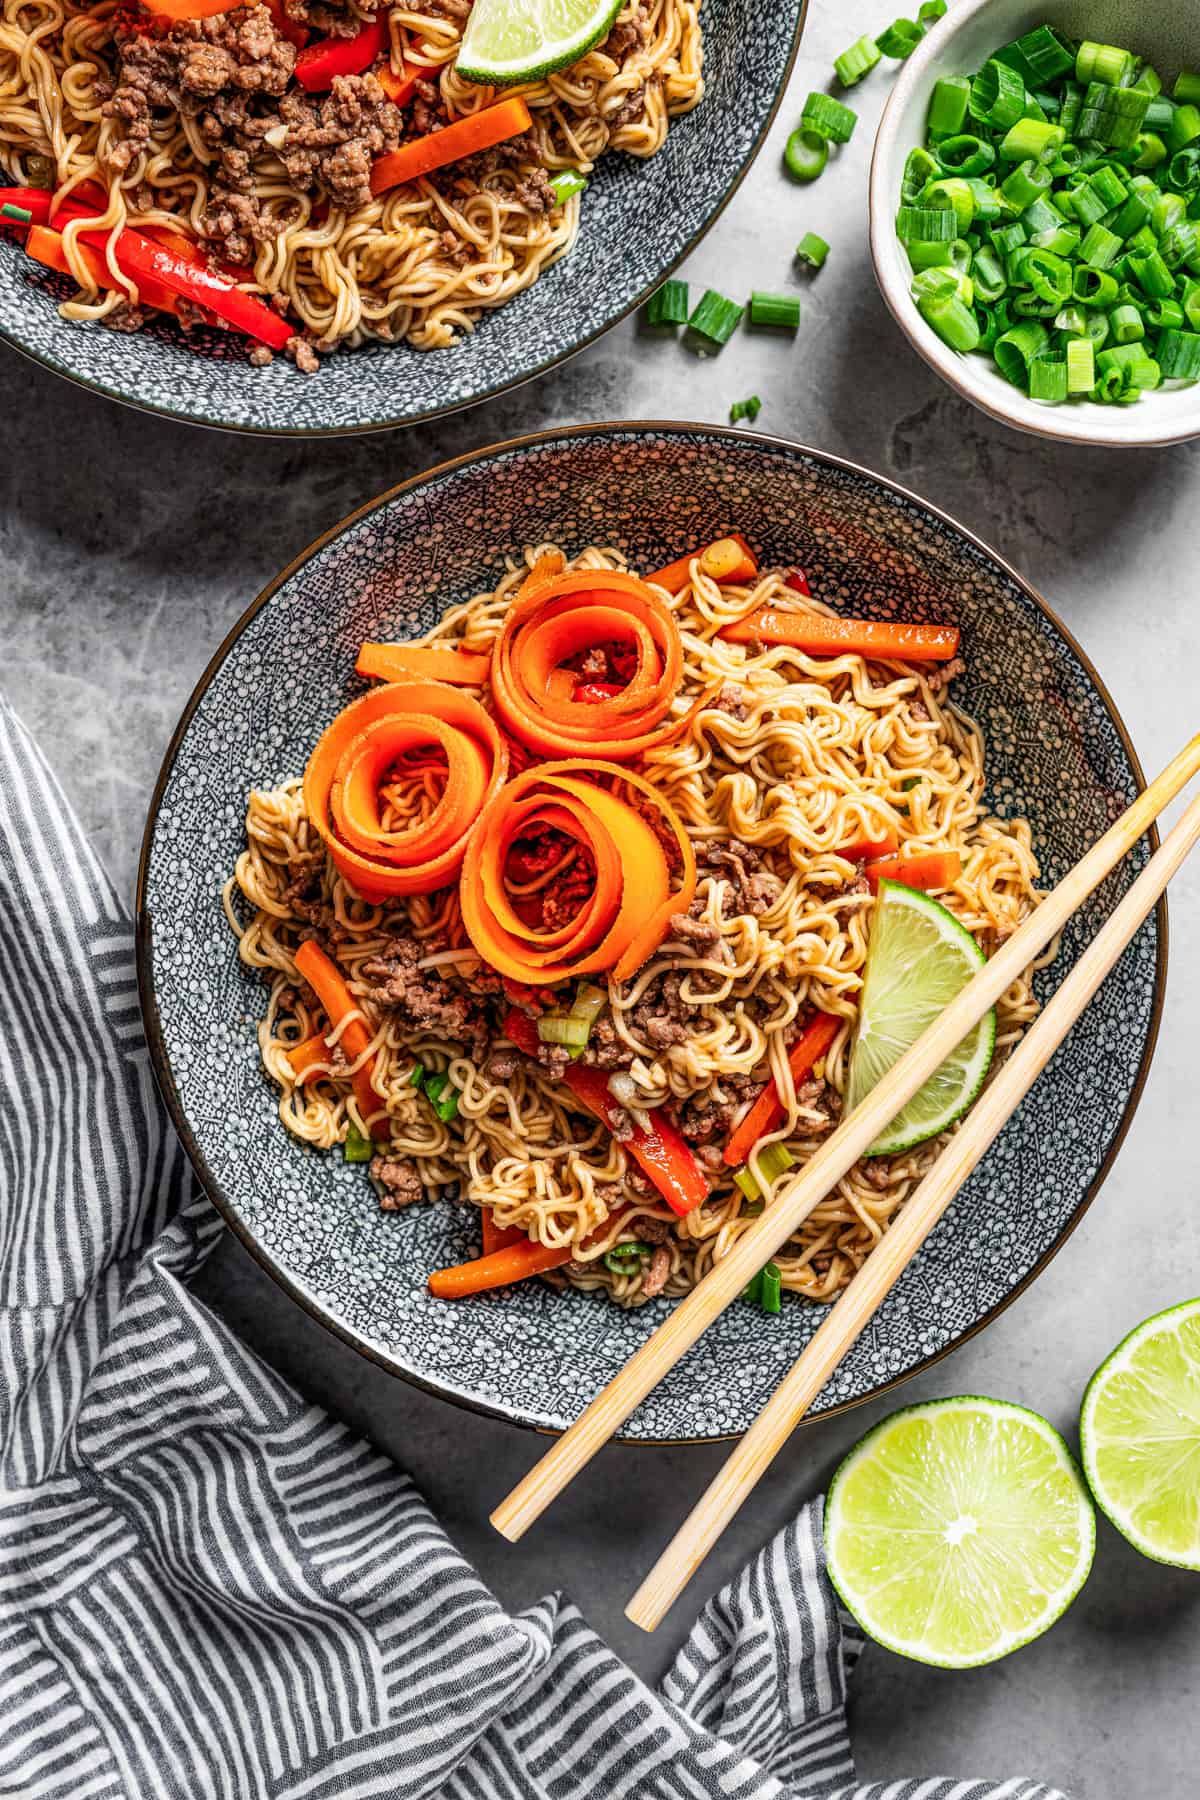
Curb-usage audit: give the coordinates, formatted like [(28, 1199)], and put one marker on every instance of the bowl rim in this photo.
[(143, 917), (494, 390), (1061, 424)]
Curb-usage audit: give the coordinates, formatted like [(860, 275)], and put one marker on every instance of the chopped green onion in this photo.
[(1191, 305), (1094, 287), (1029, 140), (1181, 244), (1150, 150), (1187, 87), (18, 215), (355, 1147), (773, 1161), (1102, 62), (931, 11), (1048, 380), (625, 1259), (1027, 183), (1008, 238), (829, 118), (669, 306), (988, 274), (1017, 349), (589, 1002), (952, 191), (997, 96), (1183, 171), (1159, 113), (1073, 320), (441, 1096), (753, 1289), (805, 154), (948, 107), (1152, 275), (1149, 82), (935, 255), (770, 1289), (1127, 324), (920, 169), (1100, 248), (1112, 116), (965, 154), (416, 1075), (1046, 54), (782, 310), (1081, 366), (900, 39), (857, 61), (1185, 127), (745, 409), (563, 1028), (926, 224), (952, 319), (716, 318), (566, 184), (1179, 355), (1167, 211), (812, 250), (1166, 315)]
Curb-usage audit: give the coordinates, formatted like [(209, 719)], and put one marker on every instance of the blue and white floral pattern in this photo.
[(1057, 755), (639, 220)]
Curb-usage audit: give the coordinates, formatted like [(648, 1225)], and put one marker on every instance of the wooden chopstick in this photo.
[(865, 1294), (841, 1150)]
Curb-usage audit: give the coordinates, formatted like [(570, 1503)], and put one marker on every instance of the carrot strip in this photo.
[(190, 9), (47, 247), (870, 849), (422, 662), (495, 1239), (308, 1055), (478, 131), (768, 1109), (500, 1268), (329, 985), (728, 559), (818, 635), (398, 88), (933, 869)]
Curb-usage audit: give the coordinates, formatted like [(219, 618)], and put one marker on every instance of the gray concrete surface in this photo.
[(127, 548)]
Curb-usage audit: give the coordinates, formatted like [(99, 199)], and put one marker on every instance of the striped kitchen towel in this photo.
[(210, 1590)]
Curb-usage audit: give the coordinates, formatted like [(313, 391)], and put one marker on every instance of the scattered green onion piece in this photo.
[(857, 61), (1159, 113), (417, 1075), (990, 326), (1187, 87), (1126, 324), (1063, 240), (1015, 350), (989, 203), (1179, 355), (1049, 276), (753, 1288), (1108, 187), (434, 1086), (931, 11), (965, 154), (355, 1147), (952, 319), (900, 39), (625, 1259), (1086, 204), (1150, 150), (773, 1161), (442, 1097), (589, 1002), (563, 1028), (1141, 243), (1041, 215), (926, 224), (781, 310), (669, 306), (920, 169), (1100, 248), (1113, 117), (770, 1291), (1046, 53), (829, 118), (1048, 380), (566, 184), (1030, 140), (1008, 238), (1152, 275), (1072, 106), (997, 96), (1106, 63), (745, 409), (1166, 315), (805, 154), (1027, 182), (812, 250), (17, 215), (948, 107), (1185, 127), (716, 318), (1110, 385), (1081, 366), (1097, 329)]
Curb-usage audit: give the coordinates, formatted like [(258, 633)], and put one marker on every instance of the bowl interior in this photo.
[(1167, 33), (1057, 755), (639, 220)]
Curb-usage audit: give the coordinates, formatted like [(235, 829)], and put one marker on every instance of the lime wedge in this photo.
[(520, 40), (919, 958), (959, 1530), (1140, 1432)]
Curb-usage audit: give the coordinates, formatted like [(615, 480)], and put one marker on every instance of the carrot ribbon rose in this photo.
[(630, 902), (353, 762)]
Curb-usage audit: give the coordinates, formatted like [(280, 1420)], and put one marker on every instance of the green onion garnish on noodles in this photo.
[(355, 1147), (625, 1259), (715, 317), (812, 250), (805, 154), (567, 183), (441, 1096), (900, 39), (780, 310), (18, 215), (417, 1075), (746, 409), (564, 1028), (669, 306), (857, 61), (770, 1290), (773, 1161), (829, 118)]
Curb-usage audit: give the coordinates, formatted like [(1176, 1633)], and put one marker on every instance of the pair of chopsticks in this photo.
[(883, 1268)]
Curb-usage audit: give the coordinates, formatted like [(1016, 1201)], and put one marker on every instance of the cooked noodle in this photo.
[(828, 752), (389, 269)]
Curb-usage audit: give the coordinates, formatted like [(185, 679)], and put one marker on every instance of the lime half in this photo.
[(519, 40), (919, 958), (1140, 1431), (959, 1530)]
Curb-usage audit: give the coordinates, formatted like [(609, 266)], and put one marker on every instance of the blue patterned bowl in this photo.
[(1058, 754), (640, 219)]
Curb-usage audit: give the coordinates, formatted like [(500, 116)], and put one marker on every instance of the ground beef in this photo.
[(304, 896), (424, 998), (940, 678), (653, 1231), (731, 700), (261, 357), (501, 1065), (662, 1016), (553, 1060), (632, 107), (918, 711), (701, 1118), (620, 1124), (655, 1278), (125, 317), (456, 250), (330, 19), (532, 188), (694, 936), (427, 112), (752, 888), (397, 1181), (303, 355), (605, 1050), (711, 1158), (627, 34)]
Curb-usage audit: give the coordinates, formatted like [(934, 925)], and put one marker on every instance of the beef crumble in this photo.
[(396, 1180), (752, 888), (425, 999)]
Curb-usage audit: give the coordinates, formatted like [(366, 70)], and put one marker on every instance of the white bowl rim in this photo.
[(1077, 424)]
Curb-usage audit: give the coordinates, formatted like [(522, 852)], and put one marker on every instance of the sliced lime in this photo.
[(919, 958), (1140, 1431), (959, 1530), (520, 40)]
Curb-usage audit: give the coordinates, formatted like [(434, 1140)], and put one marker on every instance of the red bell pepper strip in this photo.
[(319, 64), (930, 870), (661, 1153), (496, 1239), (768, 1109), (868, 850), (47, 247), (798, 582), (34, 201)]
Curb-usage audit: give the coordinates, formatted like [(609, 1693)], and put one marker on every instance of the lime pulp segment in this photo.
[(959, 1530), (1139, 1428), (919, 959), (519, 40)]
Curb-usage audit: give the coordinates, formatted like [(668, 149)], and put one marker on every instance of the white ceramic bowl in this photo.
[(1167, 33)]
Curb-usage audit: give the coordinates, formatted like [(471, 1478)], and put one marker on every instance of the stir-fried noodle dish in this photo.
[(568, 915), (311, 173)]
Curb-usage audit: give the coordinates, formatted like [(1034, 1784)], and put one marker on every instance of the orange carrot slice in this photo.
[(818, 635), (729, 559), (768, 1110), (329, 985), (479, 131), (423, 662)]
